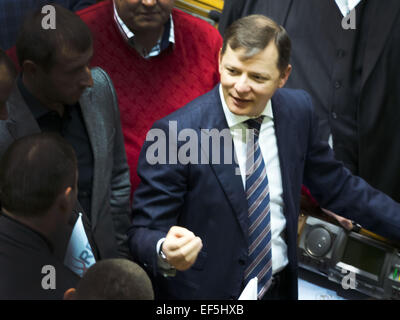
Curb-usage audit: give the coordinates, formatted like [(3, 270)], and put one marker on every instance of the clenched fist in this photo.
[(181, 248)]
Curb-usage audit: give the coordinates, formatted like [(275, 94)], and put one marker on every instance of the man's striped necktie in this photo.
[(257, 193)]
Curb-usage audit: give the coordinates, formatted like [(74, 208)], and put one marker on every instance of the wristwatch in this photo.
[(161, 253), (165, 268)]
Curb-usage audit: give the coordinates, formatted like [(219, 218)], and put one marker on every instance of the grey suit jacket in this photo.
[(111, 187)]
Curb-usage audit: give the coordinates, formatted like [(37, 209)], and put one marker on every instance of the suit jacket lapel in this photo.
[(382, 17), (282, 124), (21, 121), (7, 134), (88, 106), (230, 182)]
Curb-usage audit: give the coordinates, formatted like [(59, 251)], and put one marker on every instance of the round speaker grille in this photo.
[(318, 242)]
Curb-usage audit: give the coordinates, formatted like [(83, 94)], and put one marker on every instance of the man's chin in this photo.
[(70, 102), (74, 99), (239, 111), (146, 24)]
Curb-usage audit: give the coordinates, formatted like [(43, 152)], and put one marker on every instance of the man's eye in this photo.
[(259, 78), (231, 71)]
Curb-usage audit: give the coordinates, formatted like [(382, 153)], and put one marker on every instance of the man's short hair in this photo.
[(115, 279), (6, 62), (254, 33), (42, 45), (34, 171)]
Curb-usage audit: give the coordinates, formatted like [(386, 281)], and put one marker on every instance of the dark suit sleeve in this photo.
[(336, 189), (157, 201), (120, 183)]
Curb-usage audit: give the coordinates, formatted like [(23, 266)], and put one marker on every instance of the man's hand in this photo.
[(181, 248), (345, 223)]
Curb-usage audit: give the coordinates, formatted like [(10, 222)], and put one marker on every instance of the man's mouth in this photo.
[(148, 13), (238, 100)]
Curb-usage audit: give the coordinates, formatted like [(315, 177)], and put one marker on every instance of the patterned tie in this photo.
[(257, 193)]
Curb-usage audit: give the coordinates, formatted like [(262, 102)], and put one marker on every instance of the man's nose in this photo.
[(87, 80), (149, 3), (242, 85)]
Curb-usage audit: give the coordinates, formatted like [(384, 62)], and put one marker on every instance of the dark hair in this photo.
[(254, 33), (7, 62), (42, 45), (115, 279), (34, 171)]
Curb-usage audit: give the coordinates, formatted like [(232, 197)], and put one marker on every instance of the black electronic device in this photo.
[(330, 250)]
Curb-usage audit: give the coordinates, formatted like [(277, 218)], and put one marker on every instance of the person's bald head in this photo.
[(113, 279), (8, 74)]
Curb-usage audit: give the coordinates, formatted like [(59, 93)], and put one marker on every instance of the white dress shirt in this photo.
[(345, 6), (269, 150)]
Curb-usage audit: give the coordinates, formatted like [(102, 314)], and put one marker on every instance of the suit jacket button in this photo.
[(242, 262)]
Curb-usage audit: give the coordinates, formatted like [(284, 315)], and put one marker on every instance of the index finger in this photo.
[(174, 243), (178, 232)]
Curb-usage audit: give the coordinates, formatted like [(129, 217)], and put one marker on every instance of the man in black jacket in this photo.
[(38, 190)]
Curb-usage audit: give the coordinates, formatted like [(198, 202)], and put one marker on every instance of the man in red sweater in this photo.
[(158, 57)]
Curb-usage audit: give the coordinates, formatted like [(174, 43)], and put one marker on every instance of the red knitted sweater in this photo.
[(151, 89)]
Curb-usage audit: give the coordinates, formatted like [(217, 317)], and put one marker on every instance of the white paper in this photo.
[(250, 291), (311, 291)]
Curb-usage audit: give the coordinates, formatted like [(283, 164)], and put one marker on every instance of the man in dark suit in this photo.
[(217, 224), (57, 92), (351, 74), (38, 188)]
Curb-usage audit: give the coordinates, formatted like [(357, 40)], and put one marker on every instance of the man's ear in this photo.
[(68, 192), (219, 61), (29, 68), (285, 76), (65, 200), (70, 294)]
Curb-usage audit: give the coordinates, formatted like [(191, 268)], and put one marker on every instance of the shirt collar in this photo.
[(37, 109), (163, 43), (345, 6), (233, 119)]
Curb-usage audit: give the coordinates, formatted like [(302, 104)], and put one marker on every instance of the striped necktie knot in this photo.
[(255, 124)]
